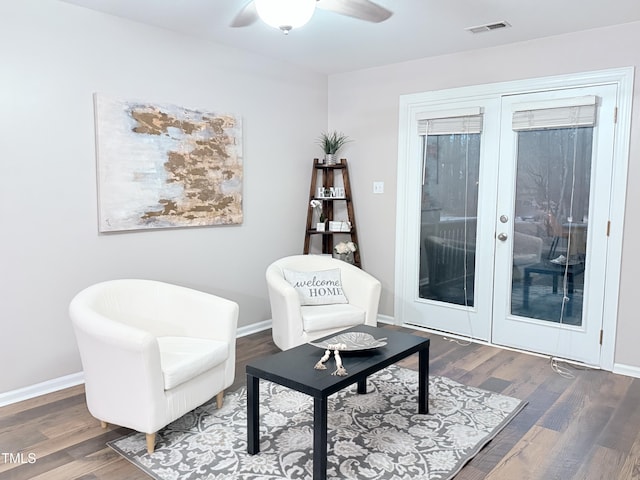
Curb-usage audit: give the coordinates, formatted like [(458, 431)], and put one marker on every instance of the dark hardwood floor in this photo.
[(584, 427)]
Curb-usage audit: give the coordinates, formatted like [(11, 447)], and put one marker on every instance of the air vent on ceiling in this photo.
[(488, 27)]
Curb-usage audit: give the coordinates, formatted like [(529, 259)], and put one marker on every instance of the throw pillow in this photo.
[(317, 288)]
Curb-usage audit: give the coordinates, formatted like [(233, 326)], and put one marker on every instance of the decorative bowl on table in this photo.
[(350, 342)]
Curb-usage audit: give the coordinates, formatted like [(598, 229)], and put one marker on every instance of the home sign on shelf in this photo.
[(330, 192)]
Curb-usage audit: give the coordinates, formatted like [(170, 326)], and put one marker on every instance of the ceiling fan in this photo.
[(282, 13)]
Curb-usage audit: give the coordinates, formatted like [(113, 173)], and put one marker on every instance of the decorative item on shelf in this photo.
[(344, 251), (331, 142), (324, 192), (322, 221), (330, 192), (342, 226)]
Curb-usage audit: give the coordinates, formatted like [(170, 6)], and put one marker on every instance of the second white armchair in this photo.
[(295, 323)]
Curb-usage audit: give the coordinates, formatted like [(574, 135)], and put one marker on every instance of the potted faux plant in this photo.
[(331, 142)]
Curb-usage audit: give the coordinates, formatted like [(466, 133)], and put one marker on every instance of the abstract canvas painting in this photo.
[(165, 166)]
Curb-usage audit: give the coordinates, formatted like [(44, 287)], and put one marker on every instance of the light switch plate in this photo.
[(378, 187)]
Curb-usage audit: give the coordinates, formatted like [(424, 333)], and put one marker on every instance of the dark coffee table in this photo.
[(294, 369)]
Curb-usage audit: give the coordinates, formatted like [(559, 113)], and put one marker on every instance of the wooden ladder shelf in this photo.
[(328, 175)]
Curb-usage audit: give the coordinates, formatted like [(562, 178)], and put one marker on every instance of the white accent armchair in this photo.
[(152, 351), (294, 324)]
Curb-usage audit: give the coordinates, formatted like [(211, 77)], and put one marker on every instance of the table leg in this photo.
[(362, 385), (320, 438), (423, 380), (253, 414)]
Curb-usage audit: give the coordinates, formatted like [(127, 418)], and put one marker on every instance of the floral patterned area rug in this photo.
[(378, 435)]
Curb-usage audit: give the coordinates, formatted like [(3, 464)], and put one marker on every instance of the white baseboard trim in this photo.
[(25, 393), (628, 370), (266, 325), (386, 319), (253, 328)]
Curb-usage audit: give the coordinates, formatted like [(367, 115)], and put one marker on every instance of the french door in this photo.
[(553, 200), (503, 234)]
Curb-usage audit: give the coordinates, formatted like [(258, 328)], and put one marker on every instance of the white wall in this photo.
[(364, 104), (53, 56)]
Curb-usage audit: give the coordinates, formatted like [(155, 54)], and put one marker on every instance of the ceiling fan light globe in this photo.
[(285, 14)]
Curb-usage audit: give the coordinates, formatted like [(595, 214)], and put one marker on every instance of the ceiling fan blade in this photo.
[(361, 9), (246, 16)]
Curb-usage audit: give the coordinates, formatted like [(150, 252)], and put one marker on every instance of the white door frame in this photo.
[(405, 273)]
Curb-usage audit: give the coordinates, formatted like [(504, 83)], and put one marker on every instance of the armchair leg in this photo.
[(151, 442), (219, 399), (103, 424)]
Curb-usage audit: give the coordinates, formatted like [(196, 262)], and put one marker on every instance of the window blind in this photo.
[(450, 122), (576, 112)]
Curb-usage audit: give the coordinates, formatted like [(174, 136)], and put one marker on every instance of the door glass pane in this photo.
[(449, 212), (551, 220)]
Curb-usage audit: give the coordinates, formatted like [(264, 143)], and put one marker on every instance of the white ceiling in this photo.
[(332, 43)]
